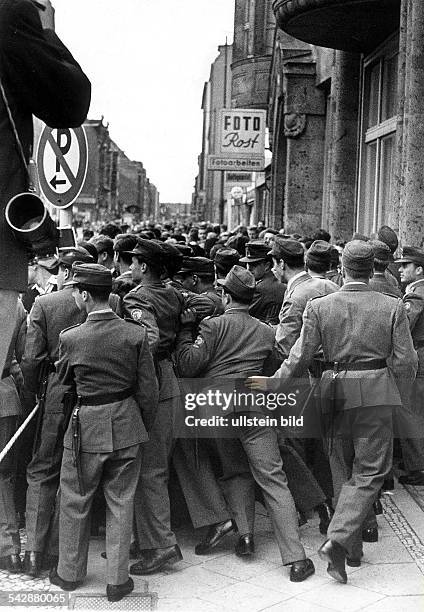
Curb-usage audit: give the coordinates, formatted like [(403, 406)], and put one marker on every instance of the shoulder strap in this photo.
[(14, 129)]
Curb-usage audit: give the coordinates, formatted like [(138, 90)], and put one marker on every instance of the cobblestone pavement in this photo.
[(390, 579)]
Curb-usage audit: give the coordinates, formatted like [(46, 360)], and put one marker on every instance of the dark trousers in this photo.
[(9, 533), (261, 447), (43, 476), (360, 458)]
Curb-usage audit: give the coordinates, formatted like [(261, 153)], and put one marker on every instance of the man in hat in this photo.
[(359, 330), (224, 260), (411, 271), (269, 293), (231, 346), (158, 307), (197, 275), (123, 283), (108, 362), (50, 315), (40, 77), (379, 281)]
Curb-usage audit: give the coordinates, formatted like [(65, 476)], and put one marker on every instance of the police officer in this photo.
[(50, 315), (411, 271), (197, 274), (359, 330), (158, 307), (232, 346), (269, 293), (10, 411), (109, 363)]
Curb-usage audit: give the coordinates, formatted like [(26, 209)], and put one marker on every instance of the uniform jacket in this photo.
[(268, 299), (40, 77), (104, 354), (414, 304), (297, 296), (10, 404), (379, 282), (49, 316), (233, 345), (158, 307), (357, 324)]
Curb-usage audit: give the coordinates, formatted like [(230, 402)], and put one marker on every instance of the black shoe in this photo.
[(215, 534), (33, 563), (300, 570), (325, 513), (415, 479), (245, 546), (12, 564), (335, 555), (388, 484), (353, 562), (115, 592), (65, 585), (156, 560), (378, 508), (370, 534)]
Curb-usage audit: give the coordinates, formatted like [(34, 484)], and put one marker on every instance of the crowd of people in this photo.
[(118, 322)]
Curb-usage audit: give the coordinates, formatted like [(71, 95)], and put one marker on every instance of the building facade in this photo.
[(346, 117)]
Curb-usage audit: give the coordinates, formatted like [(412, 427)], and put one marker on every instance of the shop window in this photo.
[(378, 134)]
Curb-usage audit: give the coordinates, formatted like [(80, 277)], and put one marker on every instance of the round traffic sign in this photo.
[(237, 192), (62, 159)]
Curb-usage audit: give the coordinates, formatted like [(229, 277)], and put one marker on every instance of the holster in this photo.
[(76, 446)]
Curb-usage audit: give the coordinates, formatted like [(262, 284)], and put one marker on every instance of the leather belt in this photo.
[(6, 373), (109, 398), (355, 366)]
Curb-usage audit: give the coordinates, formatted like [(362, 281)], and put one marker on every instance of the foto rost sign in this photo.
[(242, 141)]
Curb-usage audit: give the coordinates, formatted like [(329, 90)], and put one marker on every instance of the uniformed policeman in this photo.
[(231, 346), (412, 272), (50, 315), (10, 411), (158, 307), (359, 330), (269, 293), (109, 363), (197, 275)]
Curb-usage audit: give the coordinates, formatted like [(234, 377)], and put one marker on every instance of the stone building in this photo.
[(115, 186), (346, 117), (209, 198)]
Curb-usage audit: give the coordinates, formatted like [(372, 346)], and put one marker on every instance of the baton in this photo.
[(17, 434)]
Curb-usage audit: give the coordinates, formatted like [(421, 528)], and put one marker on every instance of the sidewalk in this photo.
[(390, 579)]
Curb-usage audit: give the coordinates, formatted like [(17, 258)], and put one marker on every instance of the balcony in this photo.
[(350, 25)]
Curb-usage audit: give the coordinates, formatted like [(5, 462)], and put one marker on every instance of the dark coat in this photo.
[(40, 77)]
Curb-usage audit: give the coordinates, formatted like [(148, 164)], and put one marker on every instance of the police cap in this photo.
[(94, 275), (358, 255), (287, 249), (148, 251), (70, 255), (201, 266), (256, 251), (382, 252), (225, 259), (319, 252), (240, 283), (413, 255)]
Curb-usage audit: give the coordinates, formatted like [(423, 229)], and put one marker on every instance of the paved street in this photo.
[(391, 577)]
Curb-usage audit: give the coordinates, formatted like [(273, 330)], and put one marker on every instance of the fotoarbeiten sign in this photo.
[(241, 143)]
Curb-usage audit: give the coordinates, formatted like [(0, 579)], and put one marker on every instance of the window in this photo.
[(379, 118)]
